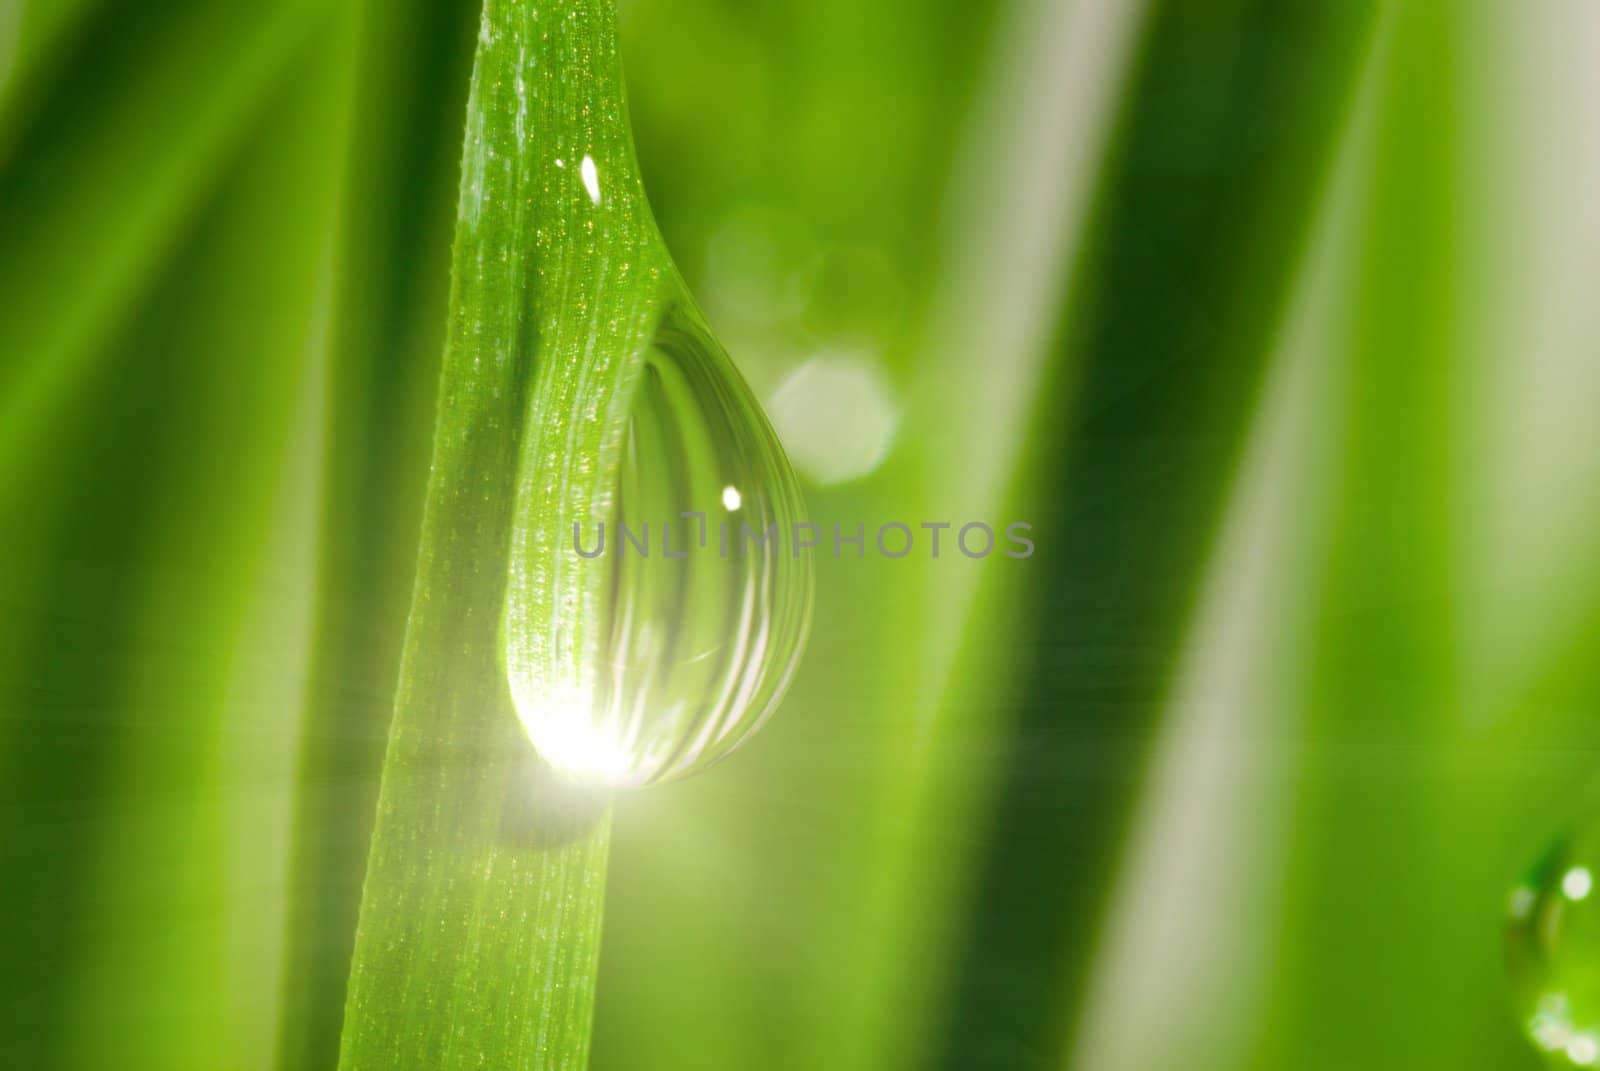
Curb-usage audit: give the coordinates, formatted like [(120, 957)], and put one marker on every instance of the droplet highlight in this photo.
[(1553, 951), (700, 607), (591, 178)]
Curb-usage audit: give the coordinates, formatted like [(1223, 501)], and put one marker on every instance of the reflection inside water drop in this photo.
[(1553, 951), (701, 612)]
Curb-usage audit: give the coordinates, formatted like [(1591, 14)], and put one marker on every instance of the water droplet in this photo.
[(1553, 951), (702, 603)]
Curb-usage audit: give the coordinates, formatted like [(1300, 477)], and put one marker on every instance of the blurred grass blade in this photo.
[(1190, 934), (1531, 445), (1056, 74), (169, 661), (1052, 82), (479, 931), (1383, 789), (411, 73), (105, 178), (1177, 300), (34, 34)]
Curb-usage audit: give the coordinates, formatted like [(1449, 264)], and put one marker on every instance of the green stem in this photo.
[(480, 921)]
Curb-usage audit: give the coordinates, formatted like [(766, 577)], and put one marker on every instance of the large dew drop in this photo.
[(683, 600), (1553, 951)]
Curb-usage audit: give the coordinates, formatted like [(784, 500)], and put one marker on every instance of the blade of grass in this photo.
[(151, 743), (1177, 297), (1189, 939), (208, 793), (1399, 865), (1531, 444), (106, 176), (479, 930), (33, 36), (413, 68), (1051, 92)]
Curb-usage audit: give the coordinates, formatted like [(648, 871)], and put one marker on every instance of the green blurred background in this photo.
[(1273, 318)]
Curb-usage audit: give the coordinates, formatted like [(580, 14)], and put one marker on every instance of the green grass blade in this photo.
[(163, 664), (1177, 299), (1396, 801), (33, 35), (1212, 825), (1005, 263), (397, 223), (479, 931), (105, 178)]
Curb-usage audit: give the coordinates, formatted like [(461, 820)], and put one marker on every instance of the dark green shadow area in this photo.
[(1204, 206)]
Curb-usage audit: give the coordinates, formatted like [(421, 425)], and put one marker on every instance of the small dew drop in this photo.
[(730, 498), (1553, 950), (560, 162), (591, 178)]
